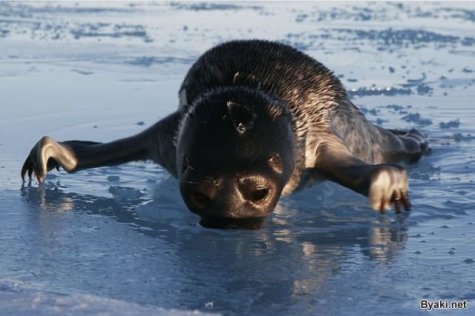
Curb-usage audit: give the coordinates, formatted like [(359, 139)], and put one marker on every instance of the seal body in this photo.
[(256, 120), (317, 100)]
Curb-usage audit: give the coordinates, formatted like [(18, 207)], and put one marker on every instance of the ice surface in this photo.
[(120, 241), (16, 299)]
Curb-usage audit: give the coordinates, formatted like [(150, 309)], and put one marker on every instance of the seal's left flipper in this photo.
[(386, 185)]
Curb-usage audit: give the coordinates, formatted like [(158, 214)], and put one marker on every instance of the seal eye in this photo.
[(276, 163), (242, 116)]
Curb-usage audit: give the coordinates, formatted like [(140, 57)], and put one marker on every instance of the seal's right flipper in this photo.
[(46, 155), (155, 143)]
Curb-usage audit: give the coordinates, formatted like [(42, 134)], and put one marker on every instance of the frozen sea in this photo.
[(119, 240)]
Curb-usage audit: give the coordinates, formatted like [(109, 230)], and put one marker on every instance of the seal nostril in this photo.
[(258, 195), (200, 200), (254, 189)]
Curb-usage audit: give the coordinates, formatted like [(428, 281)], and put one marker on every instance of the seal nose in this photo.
[(237, 196), (200, 199), (202, 194), (254, 189)]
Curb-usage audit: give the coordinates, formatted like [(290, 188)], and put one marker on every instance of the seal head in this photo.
[(235, 153)]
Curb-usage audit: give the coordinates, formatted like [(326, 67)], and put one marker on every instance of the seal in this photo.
[(256, 120)]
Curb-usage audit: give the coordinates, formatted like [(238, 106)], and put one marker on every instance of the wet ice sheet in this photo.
[(100, 71), (19, 300)]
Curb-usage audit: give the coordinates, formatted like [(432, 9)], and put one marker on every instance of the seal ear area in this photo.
[(242, 79), (242, 116), (277, 110)]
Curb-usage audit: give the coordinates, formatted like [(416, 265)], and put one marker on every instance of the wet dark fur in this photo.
[(316, 97), (256, 119)]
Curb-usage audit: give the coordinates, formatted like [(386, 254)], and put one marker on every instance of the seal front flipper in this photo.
[(155, 143), (46, 155), (384, 184)]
